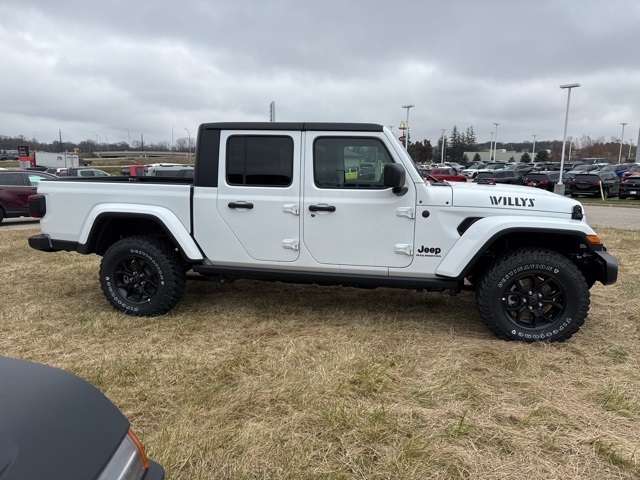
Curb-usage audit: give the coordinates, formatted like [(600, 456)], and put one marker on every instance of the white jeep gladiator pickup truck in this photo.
[(329, 203)]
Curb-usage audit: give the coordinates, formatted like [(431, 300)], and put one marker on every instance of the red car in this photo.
[(633, 170), (448, 174), (15, 188)]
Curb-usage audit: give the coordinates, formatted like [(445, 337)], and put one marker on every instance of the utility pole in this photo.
[(272, 112)]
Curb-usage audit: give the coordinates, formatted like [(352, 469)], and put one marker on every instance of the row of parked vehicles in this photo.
[(581, 178), (16, 185)]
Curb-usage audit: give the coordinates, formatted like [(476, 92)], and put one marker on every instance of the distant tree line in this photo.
[(456, 143), (88, 146)]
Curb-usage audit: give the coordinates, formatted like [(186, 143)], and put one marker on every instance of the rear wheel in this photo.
[(142, 275), (533, 294)]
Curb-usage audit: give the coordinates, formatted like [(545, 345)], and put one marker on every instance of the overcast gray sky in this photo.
[(97, 69)]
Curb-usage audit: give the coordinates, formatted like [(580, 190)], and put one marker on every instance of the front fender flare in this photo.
[(477, 238)]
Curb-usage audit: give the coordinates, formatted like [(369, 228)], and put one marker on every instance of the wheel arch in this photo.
[(109, 227), (572, 244)]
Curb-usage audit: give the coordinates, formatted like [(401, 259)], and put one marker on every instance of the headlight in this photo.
[(128, 463)]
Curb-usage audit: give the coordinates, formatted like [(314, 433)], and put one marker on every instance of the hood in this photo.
[(53, 424), (511, 197)]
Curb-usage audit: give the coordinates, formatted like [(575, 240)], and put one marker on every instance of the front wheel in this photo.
[(142, 275), (533, 294)]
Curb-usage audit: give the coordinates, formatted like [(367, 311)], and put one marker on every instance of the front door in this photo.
[(349, 217)]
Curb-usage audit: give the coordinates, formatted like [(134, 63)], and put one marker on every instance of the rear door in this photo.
[(258, 195), (14, 192)]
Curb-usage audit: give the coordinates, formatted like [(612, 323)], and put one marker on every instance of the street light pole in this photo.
[(621, 142), (568, 86), (490, 147), (97, 140), (189, 141), (630, 144), (495, 139), (442, 149), (172, 127), (533, 154), (406, 134)]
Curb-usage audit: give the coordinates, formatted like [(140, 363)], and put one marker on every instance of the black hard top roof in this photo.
[(302, 126)]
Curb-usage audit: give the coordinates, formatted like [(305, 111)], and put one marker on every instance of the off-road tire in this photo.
[(533, 294), (142, 275)]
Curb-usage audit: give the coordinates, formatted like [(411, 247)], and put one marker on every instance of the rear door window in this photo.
[(265, 161)]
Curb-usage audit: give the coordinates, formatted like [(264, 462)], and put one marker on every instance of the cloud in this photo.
[(157, 67)]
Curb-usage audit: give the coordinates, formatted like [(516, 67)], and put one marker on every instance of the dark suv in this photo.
[(630, 187), (589, 184), (15, 188), (500, 176), (544, 180)]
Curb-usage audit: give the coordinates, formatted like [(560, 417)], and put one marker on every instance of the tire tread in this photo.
[(171, 262), (515, 258)]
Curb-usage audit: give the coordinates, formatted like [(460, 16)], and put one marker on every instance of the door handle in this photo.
[(241, 205), (322, 208)]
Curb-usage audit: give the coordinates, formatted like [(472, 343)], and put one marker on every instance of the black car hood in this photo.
[(53, 424)]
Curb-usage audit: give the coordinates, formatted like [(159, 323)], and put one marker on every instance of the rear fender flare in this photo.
[(163, 216)]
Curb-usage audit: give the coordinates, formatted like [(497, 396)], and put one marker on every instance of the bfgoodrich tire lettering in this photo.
[(533, 294), (142, 275)]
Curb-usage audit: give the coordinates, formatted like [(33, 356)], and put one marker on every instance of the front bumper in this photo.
[(608, 266)]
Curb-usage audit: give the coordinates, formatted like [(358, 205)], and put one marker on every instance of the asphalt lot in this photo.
[(626, 218)]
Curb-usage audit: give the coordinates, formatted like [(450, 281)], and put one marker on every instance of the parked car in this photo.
[(15, 188), (86, 172), (490, 167), (448, 174), (630, 187), (589, 184), (519, 167), (57, 171), (618, 168), (582, 168), (546, 166), (56, 425), (132, 171), (453, 165), (544, 180), (634, 169), (472, 170), (500, 176), (182, 170)]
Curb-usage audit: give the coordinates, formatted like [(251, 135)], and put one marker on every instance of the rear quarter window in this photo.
[(12, 178)]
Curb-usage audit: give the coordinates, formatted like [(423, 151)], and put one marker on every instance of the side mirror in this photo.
[(394, 177)]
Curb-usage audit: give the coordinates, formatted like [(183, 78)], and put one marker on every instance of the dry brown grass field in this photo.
[(265, 380)]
